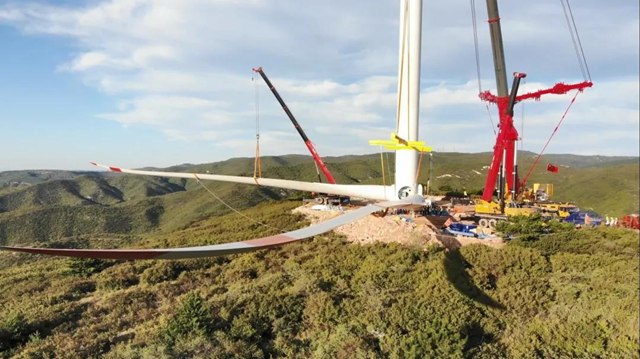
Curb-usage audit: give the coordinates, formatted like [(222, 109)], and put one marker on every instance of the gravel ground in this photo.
[(392, 228)]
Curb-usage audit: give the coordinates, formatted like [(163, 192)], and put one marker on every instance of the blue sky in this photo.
[(155, 83)]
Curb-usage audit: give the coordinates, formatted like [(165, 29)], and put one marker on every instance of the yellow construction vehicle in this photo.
[(540, 197), (541, 192), (565, 210), (489, 213)]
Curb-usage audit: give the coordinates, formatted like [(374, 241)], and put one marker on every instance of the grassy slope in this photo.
[(566, 295)]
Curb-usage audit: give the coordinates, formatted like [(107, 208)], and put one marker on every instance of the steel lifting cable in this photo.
[(575, 39), (384, 182), (419, 166), (233, 209), (257, 165), (535, 163), (493, 127), (402, 48), (474, 24), (386, 155), (408, 114), (584, 58), (521, 139)]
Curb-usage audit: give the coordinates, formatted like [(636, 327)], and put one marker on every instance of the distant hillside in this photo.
[(608, 185), (605, 184), (29, 177), (571, 294), (567, 294)]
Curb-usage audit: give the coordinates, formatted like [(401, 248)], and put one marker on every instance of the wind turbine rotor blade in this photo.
[(220, 249), (374, 192)]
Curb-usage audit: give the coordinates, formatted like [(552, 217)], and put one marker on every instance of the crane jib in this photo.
[(316, 157)]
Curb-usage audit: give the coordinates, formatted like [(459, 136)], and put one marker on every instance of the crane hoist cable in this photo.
[(257, 164), (231, 208), (386, 155), (419, 166), (575, 38), (384, 182), (535, 163), (474, 23), (584, 58), (402, 44), (522, 121), (584, 68)]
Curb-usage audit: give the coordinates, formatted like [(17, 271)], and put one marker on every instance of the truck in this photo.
[(489, 213), (540, 197), (585, 218)]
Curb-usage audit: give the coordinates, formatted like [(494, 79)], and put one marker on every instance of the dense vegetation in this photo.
[(558, 294), (551, 292)]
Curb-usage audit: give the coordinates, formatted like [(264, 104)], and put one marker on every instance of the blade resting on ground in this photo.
[(220, 249)]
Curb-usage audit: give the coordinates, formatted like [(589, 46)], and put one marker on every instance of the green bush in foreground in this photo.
[(192, 319), (567, 294), (85, 267)]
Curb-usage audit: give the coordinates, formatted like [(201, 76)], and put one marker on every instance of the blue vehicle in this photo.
[(581, 218), (464, 230)]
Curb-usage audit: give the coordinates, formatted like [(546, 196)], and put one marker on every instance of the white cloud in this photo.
[(184, 68)]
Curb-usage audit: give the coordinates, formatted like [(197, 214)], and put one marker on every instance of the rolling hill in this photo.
[(574, 292)]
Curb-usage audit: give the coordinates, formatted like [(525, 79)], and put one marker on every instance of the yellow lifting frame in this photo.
[(397, 143)]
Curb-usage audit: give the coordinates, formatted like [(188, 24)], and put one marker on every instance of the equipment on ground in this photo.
[(466, 230), (585, 218), (630, 221), (540, 197), (489, 213)]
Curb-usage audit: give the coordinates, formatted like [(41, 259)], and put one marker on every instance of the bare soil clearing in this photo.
[(393, 228)]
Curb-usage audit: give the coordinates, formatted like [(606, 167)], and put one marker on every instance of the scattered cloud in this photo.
[(184, 68)]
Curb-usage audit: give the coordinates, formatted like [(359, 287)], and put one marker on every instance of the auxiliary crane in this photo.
[(320, 166), (503, 168)]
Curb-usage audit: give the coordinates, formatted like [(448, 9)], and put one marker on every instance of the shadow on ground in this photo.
[(455, 267)]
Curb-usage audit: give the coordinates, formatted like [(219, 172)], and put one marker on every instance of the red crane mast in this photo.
[(310, 146), (505, 146)]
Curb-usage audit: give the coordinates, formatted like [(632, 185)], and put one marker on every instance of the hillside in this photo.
[(574, 292)]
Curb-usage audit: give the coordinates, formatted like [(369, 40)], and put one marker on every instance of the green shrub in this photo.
[(14, 330), (85, 267), (531, 227), (192, 318), (614, 241), (161, 271), (118, 277)]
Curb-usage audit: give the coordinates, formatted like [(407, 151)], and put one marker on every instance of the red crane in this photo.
[(505, 146), (312, 149)]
